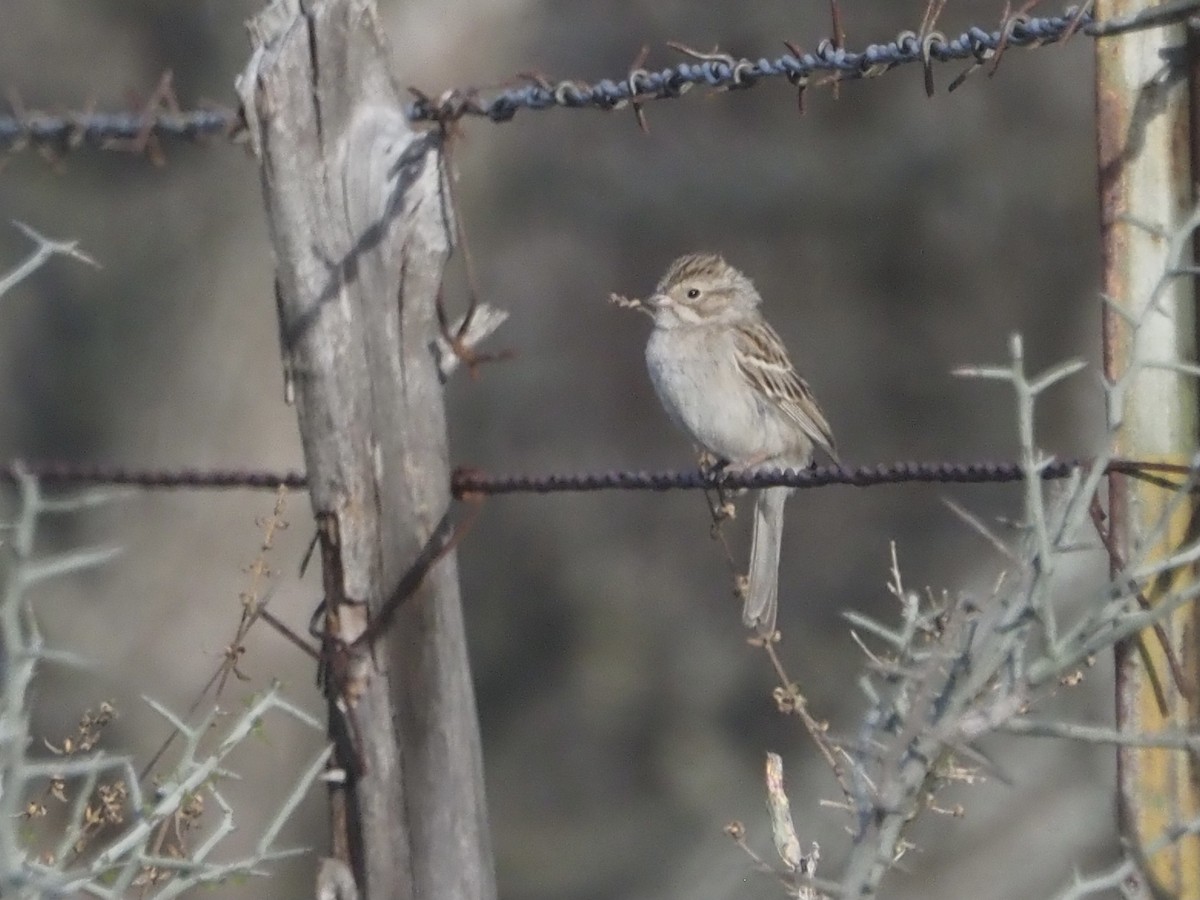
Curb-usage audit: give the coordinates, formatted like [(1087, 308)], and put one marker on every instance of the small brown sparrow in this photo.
[(724, 377)]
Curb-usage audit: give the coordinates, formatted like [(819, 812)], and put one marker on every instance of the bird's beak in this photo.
[(658, 301)]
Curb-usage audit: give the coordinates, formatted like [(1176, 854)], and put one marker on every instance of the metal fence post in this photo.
[(1144, 140)]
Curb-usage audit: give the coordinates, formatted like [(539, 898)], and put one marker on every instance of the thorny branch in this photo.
[(46, 248), (1118, 876), (958, 668), (106, 788)]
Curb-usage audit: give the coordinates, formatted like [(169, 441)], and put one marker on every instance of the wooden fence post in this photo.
[(360, 225), (1145, 149)]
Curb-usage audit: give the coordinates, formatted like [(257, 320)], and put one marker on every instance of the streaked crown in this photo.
[(703, 287), (706, 268)]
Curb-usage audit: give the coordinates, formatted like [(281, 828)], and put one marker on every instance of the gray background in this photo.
[(624, 718)]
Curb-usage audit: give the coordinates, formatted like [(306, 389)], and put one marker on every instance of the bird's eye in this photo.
[(693, 293)]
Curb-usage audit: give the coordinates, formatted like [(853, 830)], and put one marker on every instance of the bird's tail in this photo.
[(762, 589)]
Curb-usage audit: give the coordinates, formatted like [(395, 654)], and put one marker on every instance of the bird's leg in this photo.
[(720, 506)]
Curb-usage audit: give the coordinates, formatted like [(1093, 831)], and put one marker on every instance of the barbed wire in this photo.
[(723, 71), (469, 481), (105, 130), (715, 70), (66, 474)]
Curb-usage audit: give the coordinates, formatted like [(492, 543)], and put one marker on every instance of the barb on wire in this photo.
[(465, 481), (830, 62)]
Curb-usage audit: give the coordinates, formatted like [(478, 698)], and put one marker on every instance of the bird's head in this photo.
[(700, 289)]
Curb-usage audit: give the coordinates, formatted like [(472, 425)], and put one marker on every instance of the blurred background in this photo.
[(624, 718)]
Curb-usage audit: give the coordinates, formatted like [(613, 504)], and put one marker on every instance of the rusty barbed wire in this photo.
[(468, 481), (715, 70), (67, 474)]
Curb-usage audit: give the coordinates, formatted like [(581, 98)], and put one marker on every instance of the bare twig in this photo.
[(46, 248)]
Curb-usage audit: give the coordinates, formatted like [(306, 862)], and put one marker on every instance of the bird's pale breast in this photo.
[(697, 380)]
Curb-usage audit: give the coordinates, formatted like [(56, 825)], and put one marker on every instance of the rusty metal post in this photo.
[(1144, 139)]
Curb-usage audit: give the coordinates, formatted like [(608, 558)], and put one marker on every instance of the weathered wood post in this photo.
[(360, 226), (1145, 153)]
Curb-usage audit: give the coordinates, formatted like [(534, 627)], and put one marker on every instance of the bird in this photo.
[(723, 376)]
